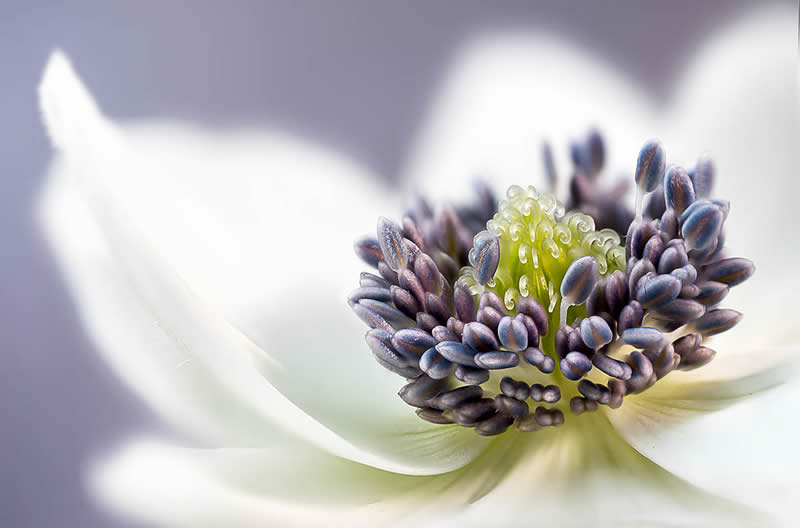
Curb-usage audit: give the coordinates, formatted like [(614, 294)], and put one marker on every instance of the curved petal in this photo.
[(591, 477), (175, 239), (507, 93), (747, 452), (244, 487)]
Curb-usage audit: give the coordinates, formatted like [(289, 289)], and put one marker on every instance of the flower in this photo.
[(209, 270)]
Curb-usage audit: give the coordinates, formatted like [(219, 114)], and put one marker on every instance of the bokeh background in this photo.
[(355, 75)]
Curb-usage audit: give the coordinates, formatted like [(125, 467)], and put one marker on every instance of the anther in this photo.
[(461, 291), (577, 284), (649, 172)]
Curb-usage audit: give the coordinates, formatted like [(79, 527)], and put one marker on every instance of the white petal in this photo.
[(507, 93), (553, 477), (171, 486), (185, 247), (746, 452), (738, 101)]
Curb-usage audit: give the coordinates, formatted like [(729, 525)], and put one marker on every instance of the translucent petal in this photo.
[(739, 104), (746, 451), (505, 94), (229, 254), (538, 479)]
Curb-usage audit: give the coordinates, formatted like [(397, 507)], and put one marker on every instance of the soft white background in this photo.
[(357, 76)]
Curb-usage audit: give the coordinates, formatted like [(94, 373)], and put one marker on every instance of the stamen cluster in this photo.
[(485, 307)]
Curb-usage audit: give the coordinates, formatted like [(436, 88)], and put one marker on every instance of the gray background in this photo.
[(355, 75)]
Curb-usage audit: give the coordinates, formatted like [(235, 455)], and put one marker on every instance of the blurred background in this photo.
[(355, 75)]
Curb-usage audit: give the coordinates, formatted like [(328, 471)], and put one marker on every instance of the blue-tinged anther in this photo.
[(724, 206), (428, 274), (696, 358), (596, 332), (577, 284), (730, 271), (615, 292), (458, 353), (580, 278), (669, 223), (489, 316), (471, 375), (464, 302), (717, 321), (703, 177), (650, 166), (436, 306), (538, 359), (474, 411), (455, 397), (575, 365), (484, 256), (513, 334), (404, 301), (495, 425), (685, 344), (533, 309), (678, 189), (593, 391), (412, 342), (392, 244), (434, 365), (658, 290), (479, 337), (418, 392), (371, 317), (369, 292), (701, 224), (681, 310), (369, 250), (511, 406), (530, 326), (515, 389), (630, 317), (442, 333), (687, 274), (368, 280), (595, 147), (497, 359), (653, 249), (380, 342), (711, 292), (672, 258), (490, 298), (639, 270), (643, 337), (641, 364), (579, 155), (389, 313), (612, 367), (433, 416)]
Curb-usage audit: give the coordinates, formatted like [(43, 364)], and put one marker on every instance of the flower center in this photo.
[(488, 310)]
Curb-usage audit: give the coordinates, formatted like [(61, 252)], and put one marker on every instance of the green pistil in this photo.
[(538, 242)]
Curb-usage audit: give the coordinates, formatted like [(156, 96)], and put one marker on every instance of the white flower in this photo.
[(211, 271)]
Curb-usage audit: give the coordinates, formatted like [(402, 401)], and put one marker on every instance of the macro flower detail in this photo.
[(541, 287), (209, 270)]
